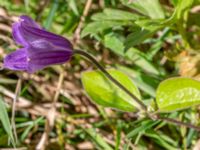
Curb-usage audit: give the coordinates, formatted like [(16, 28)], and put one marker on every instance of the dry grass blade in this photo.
[(17, 91)]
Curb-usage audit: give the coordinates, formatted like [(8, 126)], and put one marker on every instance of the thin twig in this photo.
[(17, 91), (53, 108), (41, 144), (22, 148), (60, 81), (180, 123), (50, 118), (82, 20)]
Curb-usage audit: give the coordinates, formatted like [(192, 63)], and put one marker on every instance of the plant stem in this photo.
[(170, 120), (140, 103), (92, 59)]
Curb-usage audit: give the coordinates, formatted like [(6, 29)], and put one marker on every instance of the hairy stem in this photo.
[(92, 59)]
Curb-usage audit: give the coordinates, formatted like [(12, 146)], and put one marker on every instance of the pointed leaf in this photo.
[(114, 14), (99, 26), (116, 45), (5, 120), (98, 139), (150, 8), (103, 92)]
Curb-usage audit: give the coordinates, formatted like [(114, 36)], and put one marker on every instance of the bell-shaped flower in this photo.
[(40, 48)]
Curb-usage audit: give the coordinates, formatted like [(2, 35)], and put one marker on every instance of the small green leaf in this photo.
[(5, 120), (142, 31), (115, 44), (114, 14), (161, 139), (103, 92), (98, 139), (150, 8), (177, 93), (140, 128), (99, 26), (73, 6), (143, 81), (137, 37)]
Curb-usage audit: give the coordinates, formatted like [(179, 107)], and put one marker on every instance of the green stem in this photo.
[(92, 59), (140, 103), (183, 34)]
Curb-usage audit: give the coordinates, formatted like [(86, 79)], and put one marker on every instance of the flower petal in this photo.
[(42, 45), (16, 60), (17, 29), (29, 22), (41, 54), (45, 60), (31, 34), (17, 34)]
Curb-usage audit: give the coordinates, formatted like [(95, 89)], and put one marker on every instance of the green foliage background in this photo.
[(148, 40)]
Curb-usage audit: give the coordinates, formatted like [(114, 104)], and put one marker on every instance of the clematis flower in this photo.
[(40, 48)]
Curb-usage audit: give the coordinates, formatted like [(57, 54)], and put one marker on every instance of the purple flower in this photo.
[(40, 48)]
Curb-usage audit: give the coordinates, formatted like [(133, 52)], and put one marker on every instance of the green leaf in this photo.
[(109, 18), (98, 139), (28, 129), (181, 11), (150, 8), (114, 14), (73, 6), (99, 26), (141, 32), (183, 8), (177, 93), (141, 60), (143, 81), (103, 92), (114, 43), (162, 139), (5, 120), (140, 128), (137, 37)]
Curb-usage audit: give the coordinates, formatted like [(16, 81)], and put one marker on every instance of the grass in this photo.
[(150, 49)]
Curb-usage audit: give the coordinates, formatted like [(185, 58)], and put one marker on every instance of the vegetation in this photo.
[(151, 47)]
